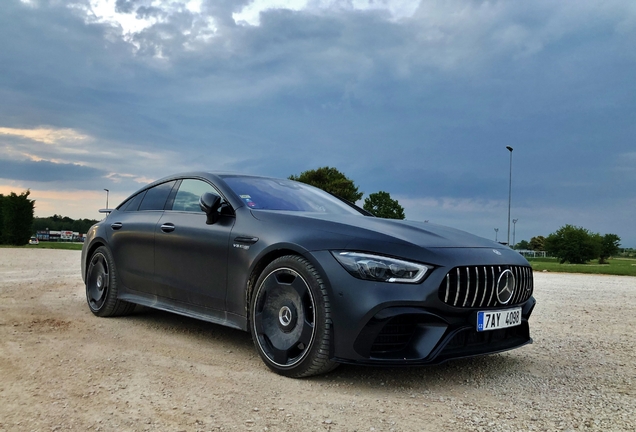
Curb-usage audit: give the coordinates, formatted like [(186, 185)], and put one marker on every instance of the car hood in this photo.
[(421, 234)]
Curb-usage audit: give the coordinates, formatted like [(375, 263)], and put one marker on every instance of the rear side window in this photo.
[(156, 197), (133, 203), (187, 198)]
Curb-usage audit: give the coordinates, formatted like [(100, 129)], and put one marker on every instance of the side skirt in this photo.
[(215, 316)]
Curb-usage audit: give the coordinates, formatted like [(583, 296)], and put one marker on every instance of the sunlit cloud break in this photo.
[(135, 17), (45, 135)]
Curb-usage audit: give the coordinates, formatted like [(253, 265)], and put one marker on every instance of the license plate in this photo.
[(493, 320)]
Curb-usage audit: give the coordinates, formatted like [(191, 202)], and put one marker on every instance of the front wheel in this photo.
[(290, 318), (101, 286)]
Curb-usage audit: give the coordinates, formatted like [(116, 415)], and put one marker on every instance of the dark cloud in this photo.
[(421, 107), (46, 171)]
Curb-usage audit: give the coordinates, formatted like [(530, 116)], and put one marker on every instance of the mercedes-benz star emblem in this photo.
[(285, 316), (505, 286)]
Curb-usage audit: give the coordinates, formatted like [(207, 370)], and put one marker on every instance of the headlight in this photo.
[(380, 268)]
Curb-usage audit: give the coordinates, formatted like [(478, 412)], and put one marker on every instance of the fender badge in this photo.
[(496, 252)]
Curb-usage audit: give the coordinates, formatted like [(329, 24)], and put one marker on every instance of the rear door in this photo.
[(132, 237), (190, 256)]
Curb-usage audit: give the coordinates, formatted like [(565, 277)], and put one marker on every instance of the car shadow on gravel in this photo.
[(468, 371), (168, 322)]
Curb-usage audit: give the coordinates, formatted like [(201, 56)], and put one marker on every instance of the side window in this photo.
[(133, 203), (187, 198), (156, 197)]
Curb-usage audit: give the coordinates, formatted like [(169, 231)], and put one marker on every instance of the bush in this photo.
[(572, 244)]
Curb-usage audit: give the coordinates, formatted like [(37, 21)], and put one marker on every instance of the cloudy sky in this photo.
[(416, 98)]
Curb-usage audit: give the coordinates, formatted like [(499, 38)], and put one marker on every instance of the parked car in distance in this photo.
[(34, 241), (316, 281)]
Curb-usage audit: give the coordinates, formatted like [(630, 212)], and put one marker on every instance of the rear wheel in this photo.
[(101, 286), (290, 318)]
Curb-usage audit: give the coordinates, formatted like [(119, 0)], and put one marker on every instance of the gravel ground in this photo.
[(61, 368)]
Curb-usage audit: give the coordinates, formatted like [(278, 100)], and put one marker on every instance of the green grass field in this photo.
[(616, 266), (51, 245)]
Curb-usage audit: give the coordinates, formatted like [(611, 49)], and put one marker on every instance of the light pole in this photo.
[(514, 231), (496, 232), (107, 197), (509, 192)]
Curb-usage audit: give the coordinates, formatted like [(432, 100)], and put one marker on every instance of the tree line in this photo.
[(60, 223)]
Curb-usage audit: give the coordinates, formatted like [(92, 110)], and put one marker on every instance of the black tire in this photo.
[(101, 286), (290, 318)]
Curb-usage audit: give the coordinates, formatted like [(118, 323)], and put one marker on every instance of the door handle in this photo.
[(116, 225), (167, 227), (246, 239)]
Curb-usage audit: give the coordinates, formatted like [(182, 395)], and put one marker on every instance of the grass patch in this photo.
[(49, 245), (616, 266)]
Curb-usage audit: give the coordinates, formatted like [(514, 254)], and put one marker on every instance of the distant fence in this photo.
[(532, 254)]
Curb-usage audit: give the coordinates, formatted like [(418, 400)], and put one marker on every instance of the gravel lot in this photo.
[(61, 368)]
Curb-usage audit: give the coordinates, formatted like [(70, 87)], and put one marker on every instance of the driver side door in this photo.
[(190, 256)]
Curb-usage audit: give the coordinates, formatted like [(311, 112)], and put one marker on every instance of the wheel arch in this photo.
[(265, 259), (316, 352), (90, 251)]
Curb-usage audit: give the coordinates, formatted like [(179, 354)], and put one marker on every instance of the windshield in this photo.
[(277, 194)]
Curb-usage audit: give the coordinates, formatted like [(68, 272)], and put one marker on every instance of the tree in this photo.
[(523, 245), (330, 180), (17, 218), (537, 243), (381, 205), (572, 244), (610, 244)]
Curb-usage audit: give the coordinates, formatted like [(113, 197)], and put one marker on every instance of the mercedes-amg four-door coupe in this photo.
[(316, 280)]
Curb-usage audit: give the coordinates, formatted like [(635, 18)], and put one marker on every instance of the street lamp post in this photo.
[(509, 192), (107, 191), (514, 231), (496, 232)]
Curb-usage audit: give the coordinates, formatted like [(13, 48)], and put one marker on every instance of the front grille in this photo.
[(475, 286), (395, 335)]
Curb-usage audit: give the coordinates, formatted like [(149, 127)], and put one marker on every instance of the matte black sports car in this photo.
[(315, 279)]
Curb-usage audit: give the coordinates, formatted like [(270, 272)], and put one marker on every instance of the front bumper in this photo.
[(409, 336), (408, 324)]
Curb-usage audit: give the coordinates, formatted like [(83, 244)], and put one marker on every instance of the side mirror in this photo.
[(210, 204)]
